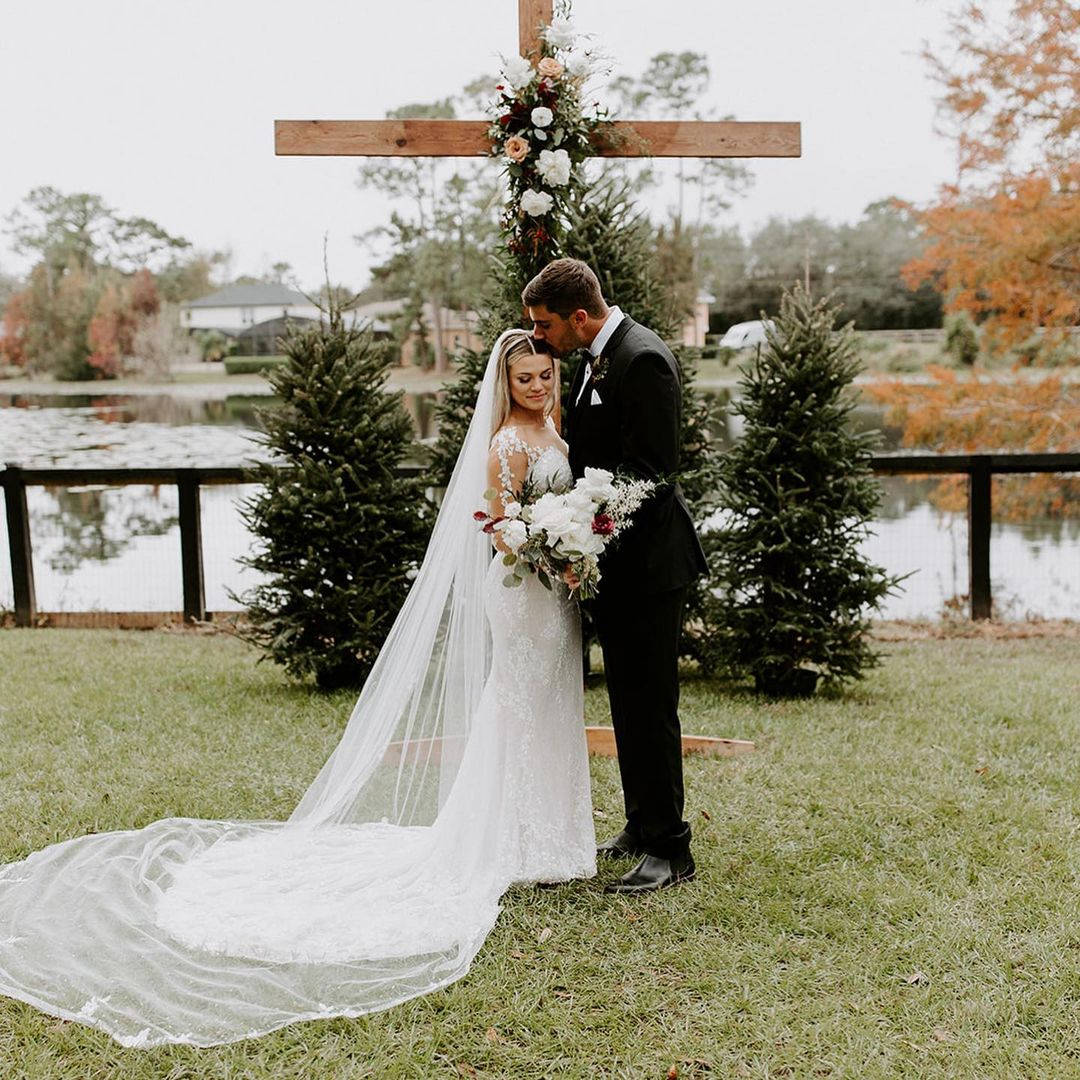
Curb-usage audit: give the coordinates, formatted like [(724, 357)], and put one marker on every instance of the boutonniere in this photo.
[(599, 368)]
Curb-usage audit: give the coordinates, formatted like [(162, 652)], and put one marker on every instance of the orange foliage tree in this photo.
[(1005, 238), (124, 304), (965, 413)]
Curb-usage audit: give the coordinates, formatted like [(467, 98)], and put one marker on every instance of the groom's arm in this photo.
[(649, 417)]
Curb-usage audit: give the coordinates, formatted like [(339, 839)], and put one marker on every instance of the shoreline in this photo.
[(218, 387)]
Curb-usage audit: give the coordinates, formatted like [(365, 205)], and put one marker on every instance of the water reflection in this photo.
[(95, 523), (118, 549)]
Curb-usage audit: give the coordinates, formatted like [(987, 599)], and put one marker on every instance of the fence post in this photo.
[(979, 517), (191, 556), (22, 561)]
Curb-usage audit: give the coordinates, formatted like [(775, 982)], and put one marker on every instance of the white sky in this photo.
[(167, 110)]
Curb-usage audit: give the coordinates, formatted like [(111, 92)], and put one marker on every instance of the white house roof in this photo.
[(249, 296)]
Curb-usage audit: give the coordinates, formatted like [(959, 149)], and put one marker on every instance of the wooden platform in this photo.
[(602, 744)]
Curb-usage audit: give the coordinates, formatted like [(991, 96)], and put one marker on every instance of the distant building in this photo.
[(237, 307), (456, 329), (696, 326)]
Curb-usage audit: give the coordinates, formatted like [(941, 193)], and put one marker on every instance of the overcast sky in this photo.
[(167, 110)]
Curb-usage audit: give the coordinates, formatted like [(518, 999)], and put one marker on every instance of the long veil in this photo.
[(205, 932)]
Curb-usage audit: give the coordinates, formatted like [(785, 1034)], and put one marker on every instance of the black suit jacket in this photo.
[(635, 428)]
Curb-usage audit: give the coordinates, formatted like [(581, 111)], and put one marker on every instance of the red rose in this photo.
[(603, 525), (504, 120)]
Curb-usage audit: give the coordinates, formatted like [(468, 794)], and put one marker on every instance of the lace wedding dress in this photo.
[(462, 770)]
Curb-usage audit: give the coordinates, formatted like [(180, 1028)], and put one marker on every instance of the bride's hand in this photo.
[(571, 578)]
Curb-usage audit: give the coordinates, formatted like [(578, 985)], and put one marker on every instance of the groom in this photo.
[(624, 415)]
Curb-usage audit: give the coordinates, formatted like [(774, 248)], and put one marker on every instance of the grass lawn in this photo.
[(888, 887)]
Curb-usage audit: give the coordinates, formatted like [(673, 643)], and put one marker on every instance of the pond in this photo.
[(117, 549)]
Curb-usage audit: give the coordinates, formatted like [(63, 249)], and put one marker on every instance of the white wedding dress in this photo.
[(463, 770)]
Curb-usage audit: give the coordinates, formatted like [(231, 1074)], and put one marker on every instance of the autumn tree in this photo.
[(962, 413), (1006, 235), (91, 285)]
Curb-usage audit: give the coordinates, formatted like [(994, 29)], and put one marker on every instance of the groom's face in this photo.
[(563, 335)]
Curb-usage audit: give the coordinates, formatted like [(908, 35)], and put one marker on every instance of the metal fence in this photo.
[(979, 468)]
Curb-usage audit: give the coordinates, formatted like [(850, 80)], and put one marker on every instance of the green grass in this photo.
[(887, 887)]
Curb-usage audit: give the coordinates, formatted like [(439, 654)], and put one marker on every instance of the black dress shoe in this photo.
[(620, 846), (653, 873)]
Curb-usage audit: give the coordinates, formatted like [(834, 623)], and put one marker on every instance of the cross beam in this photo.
[(468, 138)]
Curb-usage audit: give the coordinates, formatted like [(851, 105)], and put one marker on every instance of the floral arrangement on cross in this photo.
[(541, 131)]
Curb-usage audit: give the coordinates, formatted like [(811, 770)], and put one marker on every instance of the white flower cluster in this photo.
[(567, 531), (554, 167), (560, 34), (517, 72), (536, 203)]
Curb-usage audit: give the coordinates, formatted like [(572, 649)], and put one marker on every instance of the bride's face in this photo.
[(532, 379)]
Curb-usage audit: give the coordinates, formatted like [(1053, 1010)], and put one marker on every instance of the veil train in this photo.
[(206, 932)]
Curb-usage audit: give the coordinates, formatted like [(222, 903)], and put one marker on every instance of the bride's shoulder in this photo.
[(510, 439)]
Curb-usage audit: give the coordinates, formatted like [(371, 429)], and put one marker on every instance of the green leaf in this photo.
[(511, 580), (509, 559)]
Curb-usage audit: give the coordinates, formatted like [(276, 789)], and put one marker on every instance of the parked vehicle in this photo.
[(745, 334)]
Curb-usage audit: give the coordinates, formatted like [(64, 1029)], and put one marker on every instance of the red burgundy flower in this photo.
[(479, 516), (603, 525)]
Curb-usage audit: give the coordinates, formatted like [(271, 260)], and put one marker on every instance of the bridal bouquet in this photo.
[(557, 532)]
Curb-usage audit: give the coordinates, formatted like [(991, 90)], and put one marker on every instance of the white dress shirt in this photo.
[(614, 317)]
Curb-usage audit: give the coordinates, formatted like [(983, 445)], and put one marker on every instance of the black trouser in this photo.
[(640, 639)]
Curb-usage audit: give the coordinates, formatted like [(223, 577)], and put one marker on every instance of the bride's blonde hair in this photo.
[(516, 347)]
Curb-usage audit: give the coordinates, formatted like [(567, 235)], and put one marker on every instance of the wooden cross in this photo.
[(468, 138)]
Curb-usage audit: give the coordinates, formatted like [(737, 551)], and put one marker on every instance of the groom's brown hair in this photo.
[(565, 286)]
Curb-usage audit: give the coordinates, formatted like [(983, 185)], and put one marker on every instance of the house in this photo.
[(456, 329), (696, 325), (236, 307)]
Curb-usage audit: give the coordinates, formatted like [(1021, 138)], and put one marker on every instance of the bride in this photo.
[(462, 770)]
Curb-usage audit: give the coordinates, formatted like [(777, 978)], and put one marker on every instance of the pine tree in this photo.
[(605, 231), (793, 592), (340, 534)]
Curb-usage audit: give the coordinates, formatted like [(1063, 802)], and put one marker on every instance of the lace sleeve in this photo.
[(508, 464)]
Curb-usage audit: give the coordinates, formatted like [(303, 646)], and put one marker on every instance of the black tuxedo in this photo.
[(634, 428)]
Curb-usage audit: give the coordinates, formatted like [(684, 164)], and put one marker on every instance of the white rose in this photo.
[(556, 519), (536, 203), (512, 510), (514, 534), (517, 72), (560, 34), (554, 167), (598, 483), (542, 116), (582, 501), (581, 539)]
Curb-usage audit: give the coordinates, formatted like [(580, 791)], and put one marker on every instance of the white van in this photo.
[(744, 334)]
